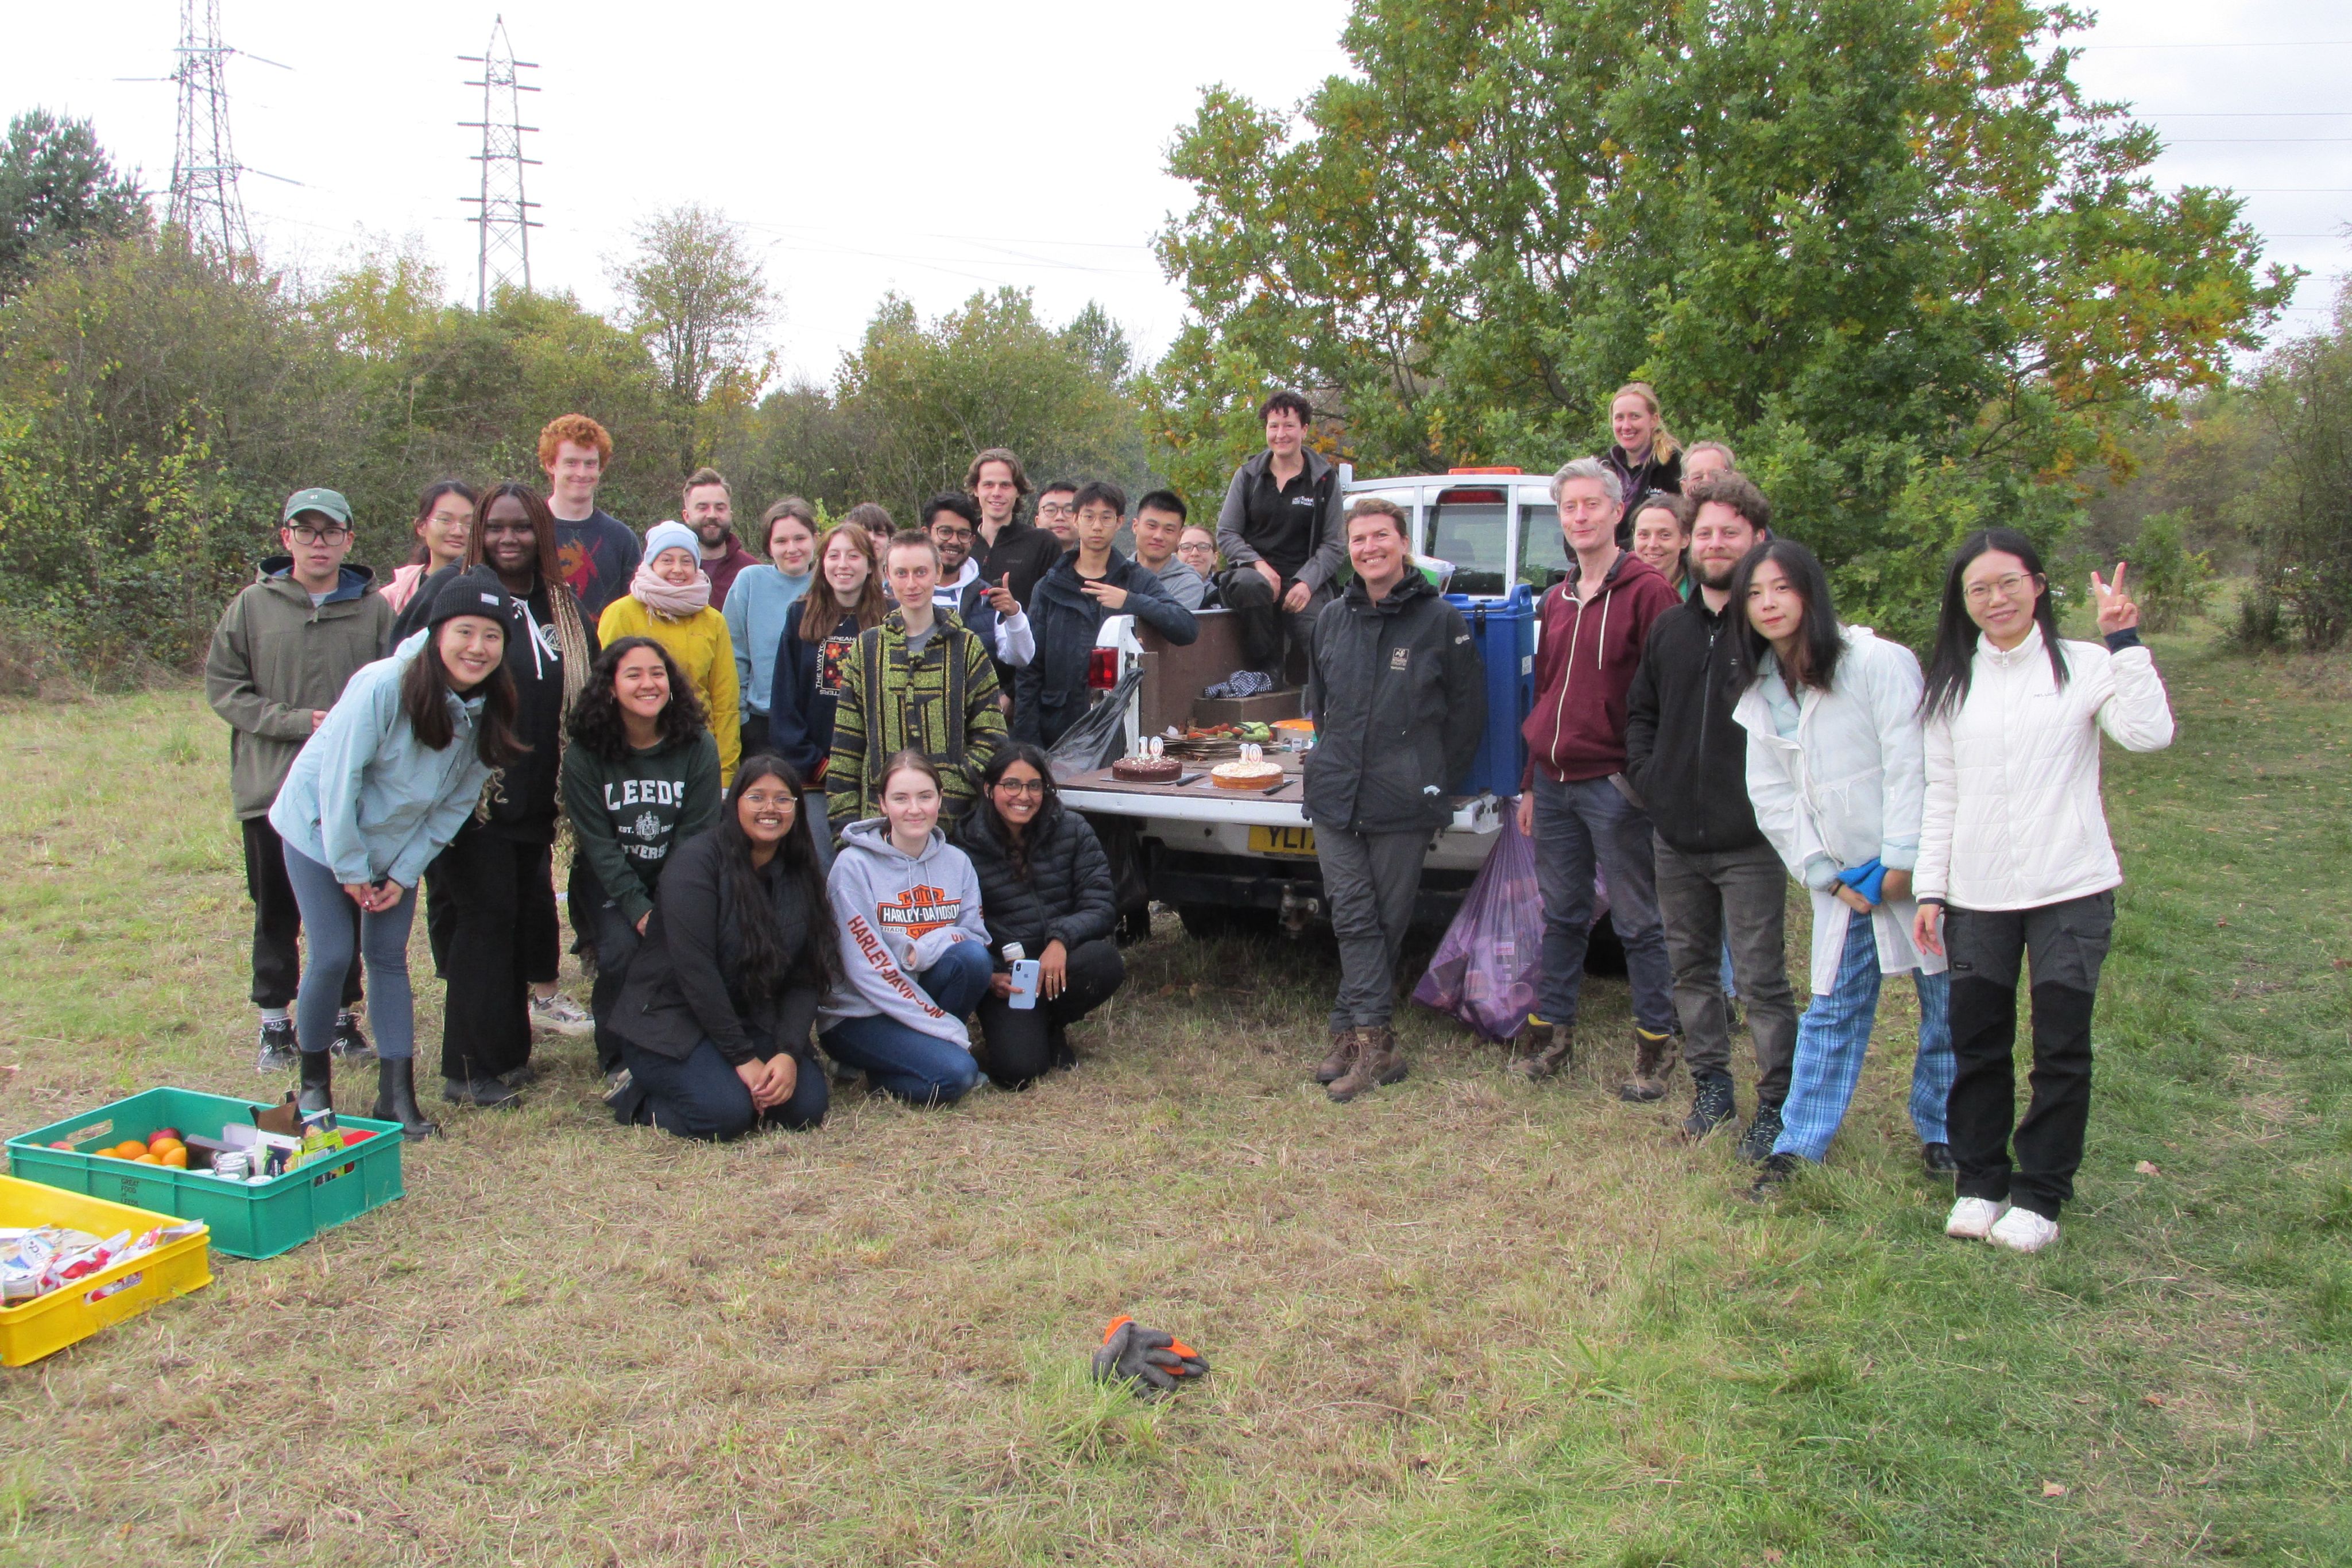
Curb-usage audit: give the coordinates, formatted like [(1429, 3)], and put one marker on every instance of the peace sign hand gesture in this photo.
[(2116, 610)]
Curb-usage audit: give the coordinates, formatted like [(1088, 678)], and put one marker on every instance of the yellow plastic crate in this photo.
[(47, 1323)]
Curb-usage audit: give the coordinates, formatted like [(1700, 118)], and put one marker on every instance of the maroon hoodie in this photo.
[(1585, 658)]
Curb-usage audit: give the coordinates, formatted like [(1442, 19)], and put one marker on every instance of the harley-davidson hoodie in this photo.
[(896, 913)]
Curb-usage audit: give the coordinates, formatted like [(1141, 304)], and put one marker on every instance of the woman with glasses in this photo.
[(1045, 884), (714, 1019), (445, 521), (2015, 864)]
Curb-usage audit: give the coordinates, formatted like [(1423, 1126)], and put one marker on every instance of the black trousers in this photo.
[(2066, 944), (491, 922), (1267, 627), (754, 732), (278, 922), (612, 936), (1020, 1040), (701, 1098)]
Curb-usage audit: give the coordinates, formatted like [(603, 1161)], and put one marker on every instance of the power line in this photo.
[(504, 215)]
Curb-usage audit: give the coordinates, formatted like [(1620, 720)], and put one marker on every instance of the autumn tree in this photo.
[(697, 297), (1886, 246)]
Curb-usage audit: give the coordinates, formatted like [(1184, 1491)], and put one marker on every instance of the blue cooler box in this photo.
[(1503, 630)]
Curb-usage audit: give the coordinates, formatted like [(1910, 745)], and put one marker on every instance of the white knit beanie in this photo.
[(671, 536)]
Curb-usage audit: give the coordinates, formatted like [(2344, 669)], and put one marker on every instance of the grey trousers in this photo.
[(1370, 881), (1741, 895)]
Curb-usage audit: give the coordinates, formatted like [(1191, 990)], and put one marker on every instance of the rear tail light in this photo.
[(1102, 668)]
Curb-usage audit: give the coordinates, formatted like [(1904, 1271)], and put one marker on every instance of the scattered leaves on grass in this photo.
[(2052, 1488), (2147, 1167)]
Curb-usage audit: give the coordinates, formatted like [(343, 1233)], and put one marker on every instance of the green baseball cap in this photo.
[(331, 502)]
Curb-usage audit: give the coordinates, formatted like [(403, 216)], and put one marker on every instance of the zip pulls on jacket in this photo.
[(1568, 668)]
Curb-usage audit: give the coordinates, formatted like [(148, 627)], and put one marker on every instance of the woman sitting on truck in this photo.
[(1644, 456), (1045, 886)]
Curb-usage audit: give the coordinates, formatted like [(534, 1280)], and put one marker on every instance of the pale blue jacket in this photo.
[(757, 603), (369, 800)]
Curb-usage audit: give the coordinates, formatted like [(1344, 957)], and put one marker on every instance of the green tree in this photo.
[(58, 188), (922, 397), (2300, 518), (698, 297), (1886, 246)]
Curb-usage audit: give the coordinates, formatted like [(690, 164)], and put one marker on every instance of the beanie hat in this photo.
[(671, 536), (475, 592)]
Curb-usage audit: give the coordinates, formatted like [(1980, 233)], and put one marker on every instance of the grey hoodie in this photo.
[(896, 913)]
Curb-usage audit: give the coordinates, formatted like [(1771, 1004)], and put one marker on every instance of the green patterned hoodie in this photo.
[(942, 704)]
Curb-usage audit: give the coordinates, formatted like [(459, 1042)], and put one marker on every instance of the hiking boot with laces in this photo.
[(1711, 1105), (1546, 1050), (1654, 1055), (1378, 1062), (1334, 1067), (1762, 1133)]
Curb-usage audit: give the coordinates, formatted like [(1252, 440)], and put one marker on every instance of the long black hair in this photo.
[(432, 499), (767, 967), (1049, 814), (423, 702), (597, 721), (1817, 636), (1953, 658)]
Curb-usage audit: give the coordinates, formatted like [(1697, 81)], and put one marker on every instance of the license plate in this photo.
[(1300, 841)]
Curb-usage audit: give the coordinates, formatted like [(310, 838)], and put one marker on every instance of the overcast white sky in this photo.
[(935, 147)]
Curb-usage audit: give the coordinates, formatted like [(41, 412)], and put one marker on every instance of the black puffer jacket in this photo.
[(1068, 896), (1399, 695), (1685, 755)]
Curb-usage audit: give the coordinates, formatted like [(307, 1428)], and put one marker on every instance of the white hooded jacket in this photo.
[(2013, 818), (1848, 789)]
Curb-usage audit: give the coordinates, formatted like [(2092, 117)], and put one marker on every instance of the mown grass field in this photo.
[(1466, 1322)]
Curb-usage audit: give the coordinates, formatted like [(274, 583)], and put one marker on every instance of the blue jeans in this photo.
[(702, 1098), (921, 1069), (1578, 826), (383, 943), (1832, 1037)]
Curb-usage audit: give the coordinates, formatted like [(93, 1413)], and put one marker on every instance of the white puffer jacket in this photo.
[(1846, 790), (2013, 818)]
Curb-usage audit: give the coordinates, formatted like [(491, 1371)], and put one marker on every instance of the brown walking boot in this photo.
[(1335, 1066), (1654, 1062), (1545, 1049), (1378, 1061)]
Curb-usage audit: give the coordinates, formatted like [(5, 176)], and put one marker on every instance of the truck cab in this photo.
[(1225, 862)]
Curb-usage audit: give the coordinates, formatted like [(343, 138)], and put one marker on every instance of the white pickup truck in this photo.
[(1227, 862)]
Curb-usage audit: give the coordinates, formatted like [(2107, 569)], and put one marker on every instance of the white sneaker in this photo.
[(2023, 1231), (1972, 1219), (559, 1014)]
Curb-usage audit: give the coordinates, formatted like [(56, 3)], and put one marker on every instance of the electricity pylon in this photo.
[(502, 215), (205, 200)]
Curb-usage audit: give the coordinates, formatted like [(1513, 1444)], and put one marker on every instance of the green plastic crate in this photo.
[(247, 1219)]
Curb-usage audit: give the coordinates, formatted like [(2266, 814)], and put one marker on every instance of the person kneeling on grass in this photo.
[(714, 1019), (914, 947), (1045, 884), (1835, 773), (395, 769), (640, 778)]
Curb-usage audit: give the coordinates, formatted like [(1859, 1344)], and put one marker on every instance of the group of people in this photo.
[(811, 804), (1705, 728)]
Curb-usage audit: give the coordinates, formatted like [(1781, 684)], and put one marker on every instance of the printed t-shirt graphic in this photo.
[(919, 911), (833, 663)]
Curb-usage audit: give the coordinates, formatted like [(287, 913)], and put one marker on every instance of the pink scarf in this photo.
[(667, 598)]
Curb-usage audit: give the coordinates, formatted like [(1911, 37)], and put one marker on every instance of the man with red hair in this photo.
[(596, 551)]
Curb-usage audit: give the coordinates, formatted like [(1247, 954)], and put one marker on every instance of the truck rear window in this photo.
[(1472, 530)]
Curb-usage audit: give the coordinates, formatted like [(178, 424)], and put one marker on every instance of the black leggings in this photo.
[(2066, 942), (1020, 1040), (492, 920)]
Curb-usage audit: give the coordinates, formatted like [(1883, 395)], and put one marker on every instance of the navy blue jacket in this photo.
[(1051, 694), (808, 687)]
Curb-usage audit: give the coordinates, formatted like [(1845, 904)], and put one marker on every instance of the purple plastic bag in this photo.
[(1485, 970)]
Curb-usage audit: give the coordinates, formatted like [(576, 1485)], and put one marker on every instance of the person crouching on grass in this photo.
[(1835, 773), (2015, 861), (1045, 883), (1399, 695), (640, 778), (914, 946), (669, 601), (714, 1019), (391, 774)]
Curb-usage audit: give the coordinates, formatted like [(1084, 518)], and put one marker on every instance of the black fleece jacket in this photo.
[(1399, 695), (1685, 755), (1067, 896), (685, 984)]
